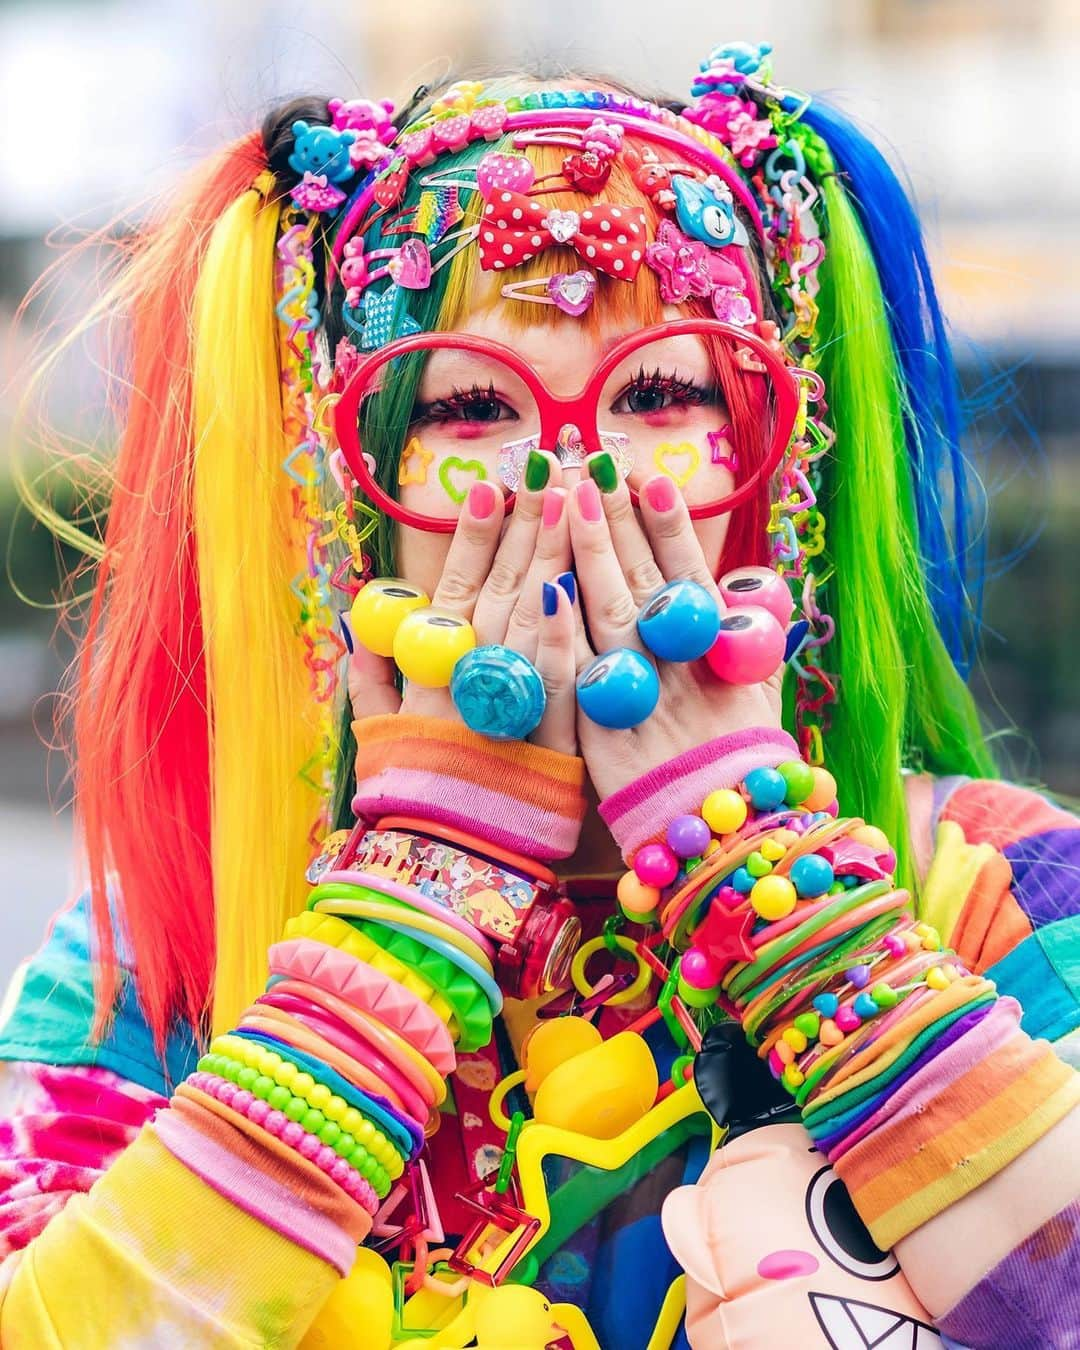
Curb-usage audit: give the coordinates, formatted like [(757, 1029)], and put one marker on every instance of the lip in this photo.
[(847, 1322)]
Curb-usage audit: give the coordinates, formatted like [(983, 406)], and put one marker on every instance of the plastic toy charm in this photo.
[(378, 611), (758, 586), (429, 643), (498, 693), (619, 689), (748, 648), (705, 211), (680, 622)]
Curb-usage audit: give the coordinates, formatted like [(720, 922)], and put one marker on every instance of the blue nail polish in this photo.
[(568, 582), (795, 638), (346, 631), (551, 599)]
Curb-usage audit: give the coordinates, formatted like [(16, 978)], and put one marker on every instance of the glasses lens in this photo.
[(439, 419), (696, 407)]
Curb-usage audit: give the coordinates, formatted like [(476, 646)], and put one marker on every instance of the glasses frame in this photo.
[(581, 408)]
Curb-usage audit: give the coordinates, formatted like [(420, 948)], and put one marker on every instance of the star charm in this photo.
[(413, 465), (724, 935), (379, 319)]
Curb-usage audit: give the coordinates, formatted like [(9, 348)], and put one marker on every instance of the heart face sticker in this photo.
[(680, 462), (469, 471), (573, 292), (411, 265), (497, 172), (562, 225)]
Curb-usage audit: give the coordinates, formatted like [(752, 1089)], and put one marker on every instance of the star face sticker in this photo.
[(379, 313), (413, 465), (724, 935)]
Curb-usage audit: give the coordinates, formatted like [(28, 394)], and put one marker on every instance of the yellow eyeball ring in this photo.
[(429, 643), (379, 609), (624, 996)]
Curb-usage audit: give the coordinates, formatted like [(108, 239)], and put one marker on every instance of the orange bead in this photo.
[(634, 896), (824, 791)]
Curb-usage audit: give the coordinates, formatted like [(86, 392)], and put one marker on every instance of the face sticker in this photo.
[(468, 471), (718, 450), (414, 462), (679, 462)]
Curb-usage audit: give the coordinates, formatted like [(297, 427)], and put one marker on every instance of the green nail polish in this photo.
[(537, 470), (603, 472)]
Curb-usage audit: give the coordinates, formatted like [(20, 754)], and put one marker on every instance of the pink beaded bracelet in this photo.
[(289, 1132)]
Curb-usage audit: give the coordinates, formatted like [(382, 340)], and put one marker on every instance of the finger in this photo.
[(506, 576), (370, 681), (471, 550), (555, 663), (610, 610), (632, 548), (551, 556), (670, 530)]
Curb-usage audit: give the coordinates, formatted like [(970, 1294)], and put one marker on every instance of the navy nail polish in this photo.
[(551, 599), (795, 638), (346, 631), (568, 582)]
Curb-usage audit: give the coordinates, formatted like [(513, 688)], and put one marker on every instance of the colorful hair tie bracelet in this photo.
[(357, 899), (372, 1074), (406, 1134), (253, 1060), (348, 983), (351, 1180), (400, 890)]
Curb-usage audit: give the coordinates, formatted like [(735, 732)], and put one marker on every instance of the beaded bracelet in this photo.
[(297, 1081), (351, 1180), (367, 1151)]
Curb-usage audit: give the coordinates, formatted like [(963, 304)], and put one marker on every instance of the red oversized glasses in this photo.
[(711, 405)]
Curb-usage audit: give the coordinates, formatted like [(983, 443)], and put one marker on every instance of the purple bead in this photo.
[(858, 975), (688, 836)]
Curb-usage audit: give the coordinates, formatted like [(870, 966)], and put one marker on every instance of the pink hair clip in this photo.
[(572, 292), (410, 265), (603, 138)]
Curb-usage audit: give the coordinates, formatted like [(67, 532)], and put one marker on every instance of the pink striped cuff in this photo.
[(641, 812), (256, 1193)]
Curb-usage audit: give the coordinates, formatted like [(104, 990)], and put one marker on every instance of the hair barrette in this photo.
[(437, 211), (603, 138), (572, 292), (410, 265)]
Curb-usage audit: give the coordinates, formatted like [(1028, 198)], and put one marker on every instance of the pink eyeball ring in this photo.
[(749, 646), (758, 586)]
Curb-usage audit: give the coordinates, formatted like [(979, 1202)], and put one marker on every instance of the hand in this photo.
[(497, 585), (621, 562)]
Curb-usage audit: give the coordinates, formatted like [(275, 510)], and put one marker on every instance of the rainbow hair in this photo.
[(194, 713)]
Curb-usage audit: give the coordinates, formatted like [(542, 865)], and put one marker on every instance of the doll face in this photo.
[(562, 354)]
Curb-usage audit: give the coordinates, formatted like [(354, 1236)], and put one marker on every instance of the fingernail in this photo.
[(537, 470), (660, 493), (568, 582), (481, 500), (552, 509), (551, 599), (588, 500), (795, 638), (346, 631), (603, 472)]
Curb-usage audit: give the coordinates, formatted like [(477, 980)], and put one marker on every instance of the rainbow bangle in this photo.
[(280, 1072), (276, 1123), (374, 1159)]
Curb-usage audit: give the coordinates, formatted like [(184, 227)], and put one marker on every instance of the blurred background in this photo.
[(102, 102)]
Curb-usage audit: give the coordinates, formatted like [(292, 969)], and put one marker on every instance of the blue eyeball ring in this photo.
[(620, 688), (498, 693), (680, 622)]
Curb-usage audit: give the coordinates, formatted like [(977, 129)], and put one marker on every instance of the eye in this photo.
[(475, 405), (655, 392), (718, 223), (841, 1233)]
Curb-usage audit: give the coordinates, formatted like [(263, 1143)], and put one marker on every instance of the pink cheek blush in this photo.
[(660, 418), (787, 1265), (465, 432)]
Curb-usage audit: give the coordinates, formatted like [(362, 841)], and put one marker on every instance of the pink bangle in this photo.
[(309, 1146), (418, 900), (362, 986), (354, 1042)]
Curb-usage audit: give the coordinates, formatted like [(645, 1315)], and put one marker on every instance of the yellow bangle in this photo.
[(581, 984), (408, 918)]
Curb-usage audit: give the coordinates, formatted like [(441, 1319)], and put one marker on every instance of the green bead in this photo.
[(809, 1024), (246, 1077), (836, 888), (697, 998), (312, 1120), (381, 1181), (204, 1064), (231, 1069), (369, 1167), (263, 1086), (295, 1107), (799, 778), (757, 865), (884, 996), (279, 1097), (358, 1157), (344, 1145), (330, 1133), (513, 103)]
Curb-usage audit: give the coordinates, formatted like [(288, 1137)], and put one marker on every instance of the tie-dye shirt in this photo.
[(154, 1256)]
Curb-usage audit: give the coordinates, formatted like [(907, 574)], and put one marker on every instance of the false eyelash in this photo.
[(457, 399), (669, 384)]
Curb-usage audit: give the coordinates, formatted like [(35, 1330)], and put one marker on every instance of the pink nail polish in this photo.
[(660, 493), (481, 500), (551, 512), (588, 500)]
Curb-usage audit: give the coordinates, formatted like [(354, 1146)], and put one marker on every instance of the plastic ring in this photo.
[(581, 984), (499, 1118)]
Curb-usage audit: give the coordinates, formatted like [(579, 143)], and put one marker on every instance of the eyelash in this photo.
[(448, 409), (685, 391)]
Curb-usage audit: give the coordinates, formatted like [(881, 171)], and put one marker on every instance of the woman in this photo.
[(554, 474)]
